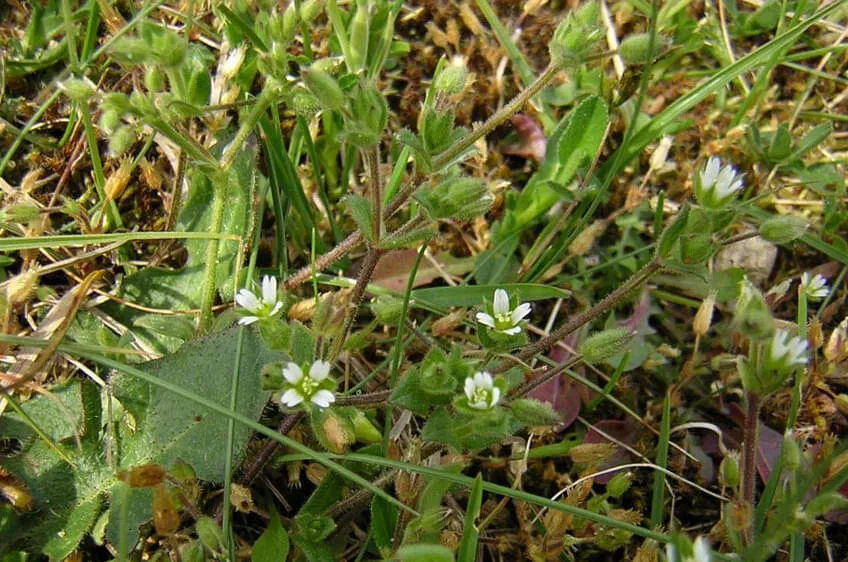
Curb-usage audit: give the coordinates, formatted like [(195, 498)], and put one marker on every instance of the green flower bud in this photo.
[(154, 78), (359, 35), (22, 213), (109, 121), (310, 9), (130, 50), (634, 48), (619, 484), (388, 310), (752, 317), (333, 430), (729, 470), (364, 430), (437, 126), (459, 197), (271, 377), (324, 87), (532, 412), (791, 454), (370, 114), (210, 534), (451, 80), (303, 102), (783, 229), (121, 140), (603, 345), (78, 90), (576, 35)]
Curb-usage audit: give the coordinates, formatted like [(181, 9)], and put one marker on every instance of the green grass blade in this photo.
[(79, 240), (658, 497), (467, 550)]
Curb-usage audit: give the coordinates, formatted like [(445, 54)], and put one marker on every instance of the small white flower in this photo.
[(815, 288), (786, 352), (500, 318), (231, 65), (715, 185), (265, 307), (314, 387), (481, 391)]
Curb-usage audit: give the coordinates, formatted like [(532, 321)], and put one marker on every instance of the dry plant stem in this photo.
[(545, 344), (749, 461), (365, 273), (529, 386), (370, 400)]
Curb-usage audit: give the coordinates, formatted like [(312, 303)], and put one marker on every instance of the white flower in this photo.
[(500, 318), (314, 387), (815, 288), (264, 307), (785, 353), (481, 391), (701, 552), (715, 185), (231, 65)]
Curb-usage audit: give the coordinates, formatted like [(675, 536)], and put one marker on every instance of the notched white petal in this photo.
[(485, 319), (291, 398), (247, 320), (323, 398), (248, 300), (292, 372), (501, 304), (319, 370)]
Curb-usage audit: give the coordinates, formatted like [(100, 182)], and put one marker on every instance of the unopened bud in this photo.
[(534, 413), (21, 286), (117, 181), (334, 430), (365, 431), (603, 345), (154, 78), (619, 484), (791, 454), (752, 317), (359, 35), (388, 310), (783, 229), (121, 140), (584, 241), (634, 48), (324, 87), (704, 316), (310, 9), (193, 552), (78, 90), (575, 36), (814, 333), (451, 80), (591, 452), (729, 470)]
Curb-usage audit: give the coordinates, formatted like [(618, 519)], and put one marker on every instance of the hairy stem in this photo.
[(749, 461), (546, 343), (372, 167), (365, 273)]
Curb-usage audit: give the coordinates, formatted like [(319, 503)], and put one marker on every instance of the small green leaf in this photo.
[(273, 544), (362, 213), (672, 232), (383, 523), (812, 139)]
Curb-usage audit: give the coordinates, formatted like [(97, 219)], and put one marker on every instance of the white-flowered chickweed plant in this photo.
[(255, 307), (521, 307), (312, 387)]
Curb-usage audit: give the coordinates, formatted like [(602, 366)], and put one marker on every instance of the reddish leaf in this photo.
[(531, 140)]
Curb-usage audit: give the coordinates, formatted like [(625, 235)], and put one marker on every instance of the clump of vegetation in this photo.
[(366, 280)]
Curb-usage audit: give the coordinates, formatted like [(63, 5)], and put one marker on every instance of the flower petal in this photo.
[(276, 309), (469, 387), (496, 396), (292, 372), (323, 398), (485, 319), (702, 550), (482, 379), (246, 320), (501, 304), (291, 398), (248, 300), (520, 312), (512, 331), (319, 370), (269, 289)]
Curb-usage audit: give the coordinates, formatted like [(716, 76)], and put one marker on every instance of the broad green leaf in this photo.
[(572, 146), (77, 525), (273, 544), (424, 553), (471, 295), (362, 213), (468, 431)]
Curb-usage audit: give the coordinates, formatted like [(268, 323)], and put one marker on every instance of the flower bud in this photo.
[(310, 9), (388, 309), (324, 87), (634, 48), (619, 484), (78, 90), (193, 552), (21, 286), (603, 345), (458, 197), (144, 476), (791, 454), (587, 453), (365, 431), (752, 317), (22, 213), (359, 35), (334, 430), (303, 102), (121, 140), (154, 78), (783, 229), (532, 412), (576, 35), (451, 80), (704, 316), (729, 470)]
